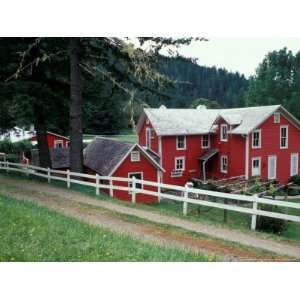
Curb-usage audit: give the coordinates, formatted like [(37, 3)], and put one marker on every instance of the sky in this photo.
[(237, 54)]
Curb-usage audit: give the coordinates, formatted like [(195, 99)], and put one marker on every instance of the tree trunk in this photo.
[(76, 145)]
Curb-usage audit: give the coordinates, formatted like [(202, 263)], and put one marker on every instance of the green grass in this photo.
[(211, 216), (32, 233), (124, 137)]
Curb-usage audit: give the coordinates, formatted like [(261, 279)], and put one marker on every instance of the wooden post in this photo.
[(7, 167), (111, 190), (49, 175), (68, 179), (254, 216), (133, 187), (27, 171), (97, 184), (158, 192)]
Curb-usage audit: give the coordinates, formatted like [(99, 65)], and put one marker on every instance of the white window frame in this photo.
[(58, 142), (183, 163), (291, 168), (275, 167), (208, 141), (137, 158), (252, 168), (222, 138), (130, 183), (277, 118), (259, 141), (287, 137), (184, 142), (148, 140), (222, 170)]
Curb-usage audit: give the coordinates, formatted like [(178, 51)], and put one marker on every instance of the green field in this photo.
[(131, 138), (32, 233)]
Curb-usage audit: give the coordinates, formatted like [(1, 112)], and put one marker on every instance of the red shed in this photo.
[(109, 157), (54, 140)]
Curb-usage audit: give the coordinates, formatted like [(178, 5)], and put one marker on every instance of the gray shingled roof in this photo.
[(102, 155), (60, 158), (200, 121)]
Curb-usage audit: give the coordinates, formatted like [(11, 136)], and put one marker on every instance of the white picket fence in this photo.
[(186, 195)]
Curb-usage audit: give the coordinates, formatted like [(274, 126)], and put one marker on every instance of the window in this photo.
[(256, 166), (58, 144), (224, 164), (294, 164), (284, 137), (149, 136), (276, 117), (256, 139), (135, 156), (179, 163), (67, 144), (139, 176), (205, 141), (224, 133), (180, 142)]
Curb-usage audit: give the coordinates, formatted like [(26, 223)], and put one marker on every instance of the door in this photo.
[(272, 167), (256, 166), (294, 164)]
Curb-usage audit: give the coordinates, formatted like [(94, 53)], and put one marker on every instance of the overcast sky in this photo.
[(237, 54)]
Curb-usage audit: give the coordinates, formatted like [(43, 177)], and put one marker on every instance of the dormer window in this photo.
[(277, 118), (181, 142), (224, 132)]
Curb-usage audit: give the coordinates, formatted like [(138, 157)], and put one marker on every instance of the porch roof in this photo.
[(207, 155)]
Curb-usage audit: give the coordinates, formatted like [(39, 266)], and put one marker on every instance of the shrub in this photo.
[(295, 179), (13, 150), (271, 225)]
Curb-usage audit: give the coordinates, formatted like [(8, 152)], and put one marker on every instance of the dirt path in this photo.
[(113, 216)]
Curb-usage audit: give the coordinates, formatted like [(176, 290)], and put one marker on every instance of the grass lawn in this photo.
[(125, 137), (32, 233)]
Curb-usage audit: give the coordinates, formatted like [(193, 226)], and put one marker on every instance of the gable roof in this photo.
[(104, 155), (55, 134), (201, 121), (179, 121)]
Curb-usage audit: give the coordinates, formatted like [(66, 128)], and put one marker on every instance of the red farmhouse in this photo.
[(222, 143), (54, 140), (109, 157)]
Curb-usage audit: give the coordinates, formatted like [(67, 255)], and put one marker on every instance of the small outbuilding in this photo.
[(54, 140), (109, 157)]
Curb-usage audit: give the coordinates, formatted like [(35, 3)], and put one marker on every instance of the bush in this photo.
[(271, 225), (15, 149), (295, 179)]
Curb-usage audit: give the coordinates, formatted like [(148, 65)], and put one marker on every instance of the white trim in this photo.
[(58, 142), (208, 144), (221, 132), (277, 115), (259, 141), (275, 167), (221, 164), (58, 135), (183, 163), (184, 141), (247, 157), (142, 178), (259, 159), (297, 165), (287, 137), (138, 156)]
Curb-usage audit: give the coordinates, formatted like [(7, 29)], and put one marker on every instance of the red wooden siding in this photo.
[(270, 145), (142, 136), (51, 138)]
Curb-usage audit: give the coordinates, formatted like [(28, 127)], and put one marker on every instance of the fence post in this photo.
[(68, 179), (133, 187), (49, 175), (7, 167), (111, 190), (186, 195), (97, 184), (158, 192), (27, 171), (254, 216)]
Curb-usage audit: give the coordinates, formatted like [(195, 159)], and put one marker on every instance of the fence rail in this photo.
[(186, 195)]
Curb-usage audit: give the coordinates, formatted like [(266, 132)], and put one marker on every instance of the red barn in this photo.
[(109, 157), (54, 140), (222, 143)]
